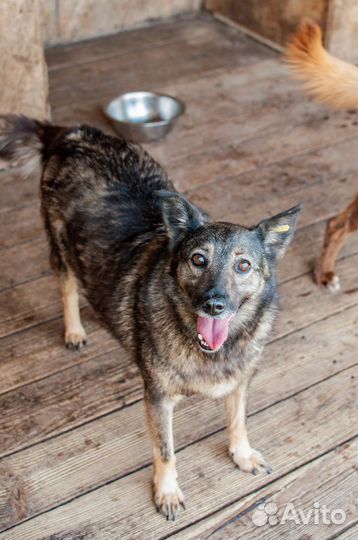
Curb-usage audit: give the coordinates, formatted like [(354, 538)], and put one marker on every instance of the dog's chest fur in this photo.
[(169, 353)]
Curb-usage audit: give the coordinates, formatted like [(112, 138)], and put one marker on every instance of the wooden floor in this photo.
[(76, 458)]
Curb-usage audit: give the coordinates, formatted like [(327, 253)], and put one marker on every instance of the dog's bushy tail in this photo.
[(23, 140), (327, 78)]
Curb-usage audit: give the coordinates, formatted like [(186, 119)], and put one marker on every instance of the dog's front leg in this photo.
[(245, 457), (167, 496)]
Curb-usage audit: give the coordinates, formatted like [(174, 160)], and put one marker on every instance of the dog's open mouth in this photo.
[(212, 333), (203, 345)]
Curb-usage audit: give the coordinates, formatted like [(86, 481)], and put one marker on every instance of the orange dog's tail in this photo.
[(325, 77)]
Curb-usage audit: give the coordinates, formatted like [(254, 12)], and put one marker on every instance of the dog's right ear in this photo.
[(179, 215), (277, 232)]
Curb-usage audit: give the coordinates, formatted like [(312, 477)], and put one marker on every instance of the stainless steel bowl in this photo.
[(143, 116)]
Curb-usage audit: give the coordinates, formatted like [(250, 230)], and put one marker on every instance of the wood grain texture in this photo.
[(303, 158), (41, 347), (96, 453), (209, 171), (30, 304), (275, 20), (291, 433), (20, 266), (182, 29), (350, 534), (302, 488), (184, 59), (292, 181), (94, 387), (84, 19), (342, 29), (73, 440)]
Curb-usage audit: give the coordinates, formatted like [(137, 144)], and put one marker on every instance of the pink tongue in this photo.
[(214, 331)]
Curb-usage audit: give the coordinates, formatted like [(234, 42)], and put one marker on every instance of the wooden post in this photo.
[(23, 70), (342, 29)]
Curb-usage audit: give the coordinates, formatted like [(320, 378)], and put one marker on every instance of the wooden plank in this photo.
[(23, 265), (277, 145), (89, 392), (17, 191), (39, 300), (315, 199), (199, 97), (19, 226), (173, 61), (239, 140), (197, 30), (298, 294), (29, 304), (26, 264), (297, 349), (40, 351), (291, 433), (338, 491), (100, 385), (324, 162), (279, 114), (87, 18), (189, 88), (349, 534), (274, 184), (216, 92), (233, 192), (42, 344), (259, 162), (19, 266)]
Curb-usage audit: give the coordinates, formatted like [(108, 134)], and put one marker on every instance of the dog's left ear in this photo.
[(179, 215), (277, 232)]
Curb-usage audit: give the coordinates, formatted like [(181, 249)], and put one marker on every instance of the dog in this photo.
[(335, 83), (194, 301)]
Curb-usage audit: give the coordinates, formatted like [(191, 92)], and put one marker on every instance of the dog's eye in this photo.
[(198, 259), (243, 266)]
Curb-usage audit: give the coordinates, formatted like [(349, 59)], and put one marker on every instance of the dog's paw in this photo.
[(75, 340), (334, 284), (169, 503), (251, 461), (329, 280)]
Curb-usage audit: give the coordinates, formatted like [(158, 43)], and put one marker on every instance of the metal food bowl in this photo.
[(143, 116)]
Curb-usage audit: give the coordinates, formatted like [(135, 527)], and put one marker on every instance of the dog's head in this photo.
[(219, 266)]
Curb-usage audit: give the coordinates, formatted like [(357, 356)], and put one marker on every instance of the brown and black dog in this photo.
[(335, 83), (192, 300)]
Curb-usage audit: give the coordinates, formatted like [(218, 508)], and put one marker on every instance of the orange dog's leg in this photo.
[(337, 230)]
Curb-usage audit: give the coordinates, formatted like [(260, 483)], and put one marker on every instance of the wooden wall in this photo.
[(71, 20), (342, 29), (274, 20)]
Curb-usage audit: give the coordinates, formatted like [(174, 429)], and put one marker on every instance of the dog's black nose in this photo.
[(214, 306)]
